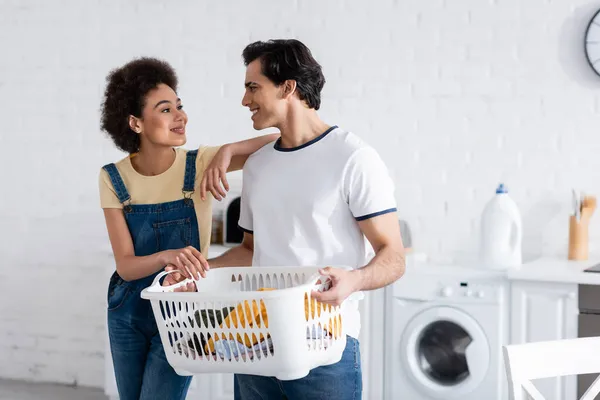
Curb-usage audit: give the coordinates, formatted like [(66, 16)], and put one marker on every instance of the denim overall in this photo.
[(141, 368)]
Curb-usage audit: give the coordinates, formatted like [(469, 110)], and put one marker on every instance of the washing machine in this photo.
[(445, 327)]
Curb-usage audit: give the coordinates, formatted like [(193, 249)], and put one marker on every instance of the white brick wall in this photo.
[(455, 95)]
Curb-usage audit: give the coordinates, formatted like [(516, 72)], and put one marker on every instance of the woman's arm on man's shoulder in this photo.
[(230, 157), (240, 151)]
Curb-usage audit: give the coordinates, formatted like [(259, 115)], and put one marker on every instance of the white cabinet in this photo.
[(211, 386), (545, 311), (372, 314), (198, 388), (222, 386)]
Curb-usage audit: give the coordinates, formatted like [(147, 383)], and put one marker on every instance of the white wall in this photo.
[(455, 95)]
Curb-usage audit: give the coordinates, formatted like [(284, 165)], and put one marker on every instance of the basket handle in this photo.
[(156, 287), (326, 281), (318, 277)]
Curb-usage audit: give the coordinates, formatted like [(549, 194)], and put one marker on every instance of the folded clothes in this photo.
[(243, 315), (230, 349), (207, 319), (316, 333), (256, 315), (211, 318)]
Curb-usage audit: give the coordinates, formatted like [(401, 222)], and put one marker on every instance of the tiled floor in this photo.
[(17, 390)]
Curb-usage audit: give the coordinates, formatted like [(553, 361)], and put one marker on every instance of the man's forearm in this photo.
[(239, 256), (386, 267)]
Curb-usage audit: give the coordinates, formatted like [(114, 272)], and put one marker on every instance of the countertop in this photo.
[(545, 269), (550, 269)]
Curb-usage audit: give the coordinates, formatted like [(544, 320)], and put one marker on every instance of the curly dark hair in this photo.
[(125, 94), (283, 59)]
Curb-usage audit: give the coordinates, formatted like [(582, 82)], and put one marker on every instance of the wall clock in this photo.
[(592, 42)]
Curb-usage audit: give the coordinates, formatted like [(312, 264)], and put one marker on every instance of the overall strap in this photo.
[(117, 183), (190, 172)]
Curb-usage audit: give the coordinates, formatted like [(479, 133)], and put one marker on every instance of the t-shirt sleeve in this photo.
[(245, 222), (368, 185), (205, 156), (108, 196)]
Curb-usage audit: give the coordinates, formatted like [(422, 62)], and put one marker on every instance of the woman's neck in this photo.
[(151, 161)]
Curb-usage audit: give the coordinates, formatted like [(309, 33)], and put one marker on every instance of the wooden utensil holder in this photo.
[(578, 238)]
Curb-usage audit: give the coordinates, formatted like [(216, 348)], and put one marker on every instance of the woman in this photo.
[(155, 214)]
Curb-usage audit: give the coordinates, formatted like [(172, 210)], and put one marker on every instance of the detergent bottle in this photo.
[(501, 232)]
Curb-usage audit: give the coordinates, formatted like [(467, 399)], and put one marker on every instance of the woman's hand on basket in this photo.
[(188, 260), (343, 284)]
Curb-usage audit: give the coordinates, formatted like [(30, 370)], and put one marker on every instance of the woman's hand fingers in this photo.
[(199, 257), (195, 262)]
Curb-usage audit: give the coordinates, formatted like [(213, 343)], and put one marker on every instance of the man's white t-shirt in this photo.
[(303, 204)]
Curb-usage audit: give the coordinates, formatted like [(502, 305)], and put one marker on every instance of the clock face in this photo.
[(592, 42)]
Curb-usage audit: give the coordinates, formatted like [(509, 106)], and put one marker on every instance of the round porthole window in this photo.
[(445, 352), (441, 352)]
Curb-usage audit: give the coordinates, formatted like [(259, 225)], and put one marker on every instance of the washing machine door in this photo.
[(446, 352)]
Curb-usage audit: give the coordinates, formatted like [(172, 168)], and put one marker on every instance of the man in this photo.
[(311, 198)]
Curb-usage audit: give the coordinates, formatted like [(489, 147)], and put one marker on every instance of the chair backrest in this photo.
[(524, 362)]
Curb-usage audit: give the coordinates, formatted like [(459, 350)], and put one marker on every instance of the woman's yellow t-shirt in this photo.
[(163, 188)]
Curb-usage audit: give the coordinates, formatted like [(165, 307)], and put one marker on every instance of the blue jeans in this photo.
[(340, 381), (141, 367)]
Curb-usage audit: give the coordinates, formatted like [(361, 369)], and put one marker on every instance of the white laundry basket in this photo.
[(281, 332)]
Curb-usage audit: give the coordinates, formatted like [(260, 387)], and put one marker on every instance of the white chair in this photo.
[(524, 362)]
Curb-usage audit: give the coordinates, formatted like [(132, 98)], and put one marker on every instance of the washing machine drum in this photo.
[(442, 348), (445, 352)]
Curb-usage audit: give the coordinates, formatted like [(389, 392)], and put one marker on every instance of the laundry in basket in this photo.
[(236, 318), (204, 317), (251, 320)]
